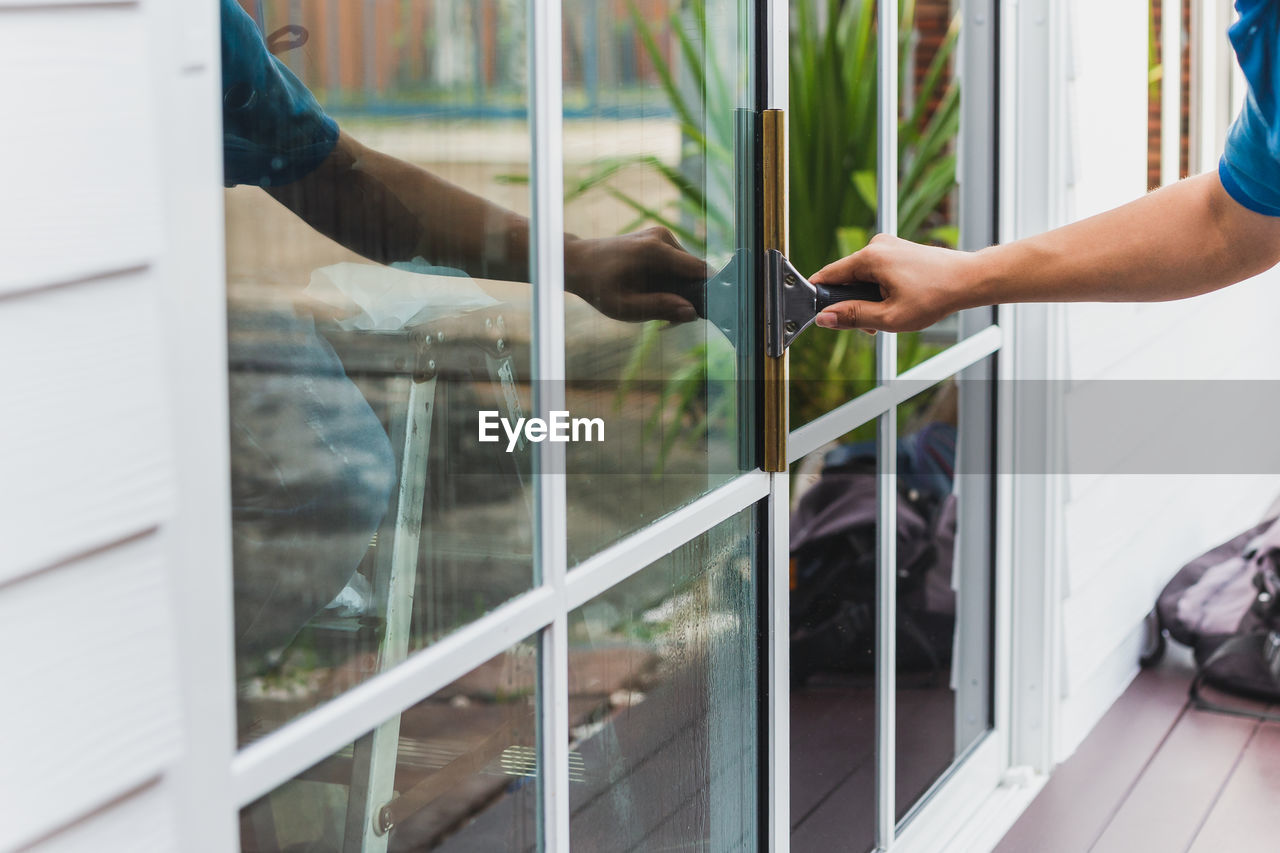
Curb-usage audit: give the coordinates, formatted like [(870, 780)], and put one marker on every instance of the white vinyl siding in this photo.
[(91, 707), (79, 115), (1124, 534), (92, 717), (84, 418)]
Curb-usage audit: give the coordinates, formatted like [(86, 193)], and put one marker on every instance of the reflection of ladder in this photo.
[(406, 363), (373, 767)]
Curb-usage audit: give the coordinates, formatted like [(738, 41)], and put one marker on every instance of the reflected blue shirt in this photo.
[(273, 129), (1250, 164)]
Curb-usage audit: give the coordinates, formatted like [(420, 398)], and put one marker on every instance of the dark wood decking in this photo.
[(833, 768), (1157, 776)]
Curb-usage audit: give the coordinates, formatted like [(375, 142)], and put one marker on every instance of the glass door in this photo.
[(457, 231), (893, 614)]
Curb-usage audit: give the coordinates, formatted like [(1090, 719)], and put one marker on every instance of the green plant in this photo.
[(703, 107), (833, 166), (833, 133)]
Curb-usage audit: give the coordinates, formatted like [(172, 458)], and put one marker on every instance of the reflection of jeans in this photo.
[(311, 474)]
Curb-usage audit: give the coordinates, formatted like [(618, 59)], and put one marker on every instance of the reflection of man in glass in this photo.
[(312, 466)]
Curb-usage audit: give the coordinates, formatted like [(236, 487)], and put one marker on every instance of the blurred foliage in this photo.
[(833, 190), (834, 153)]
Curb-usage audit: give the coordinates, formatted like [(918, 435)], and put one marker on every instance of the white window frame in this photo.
[(1170, 90), (1212, 68), (193, 316), (968, 803), (215, 781)]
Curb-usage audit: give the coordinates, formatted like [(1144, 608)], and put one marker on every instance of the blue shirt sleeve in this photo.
[(273, 129), (1250, 164)]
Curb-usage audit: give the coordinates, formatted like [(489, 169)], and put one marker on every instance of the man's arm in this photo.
[(389, 210), (1179, 241)]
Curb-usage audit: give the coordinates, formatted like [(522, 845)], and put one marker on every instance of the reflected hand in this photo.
[(634, 277), (920, 285)]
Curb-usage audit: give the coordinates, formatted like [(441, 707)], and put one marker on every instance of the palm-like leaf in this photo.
[(833, 165)]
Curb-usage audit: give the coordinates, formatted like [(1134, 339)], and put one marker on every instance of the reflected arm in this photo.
[(389, 210)]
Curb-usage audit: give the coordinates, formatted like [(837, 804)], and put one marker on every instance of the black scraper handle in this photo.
[(864, 291)]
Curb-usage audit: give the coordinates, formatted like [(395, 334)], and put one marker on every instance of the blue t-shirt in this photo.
[(1250, 164), (273, 129)]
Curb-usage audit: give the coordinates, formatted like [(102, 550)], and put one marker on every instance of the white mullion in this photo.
[(840, 420), (264, 765), (1170, 90), (886, 626), (887, 435), (623, 559), (864, 408), (887, 167), (778, 698), (776, 765), (775, 41), (1030, 179), (1210, 83), (550, 532), (887, 123), (1003, 636), (956, 358), (192, 318), (553, 735)]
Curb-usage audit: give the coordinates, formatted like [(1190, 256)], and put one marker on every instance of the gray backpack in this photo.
[(1225, 605)]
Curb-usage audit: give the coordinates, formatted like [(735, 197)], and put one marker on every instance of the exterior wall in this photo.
[(1123, 535), (91, 719)]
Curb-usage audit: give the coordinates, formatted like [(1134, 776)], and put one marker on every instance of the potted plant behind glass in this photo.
[(833, 157)]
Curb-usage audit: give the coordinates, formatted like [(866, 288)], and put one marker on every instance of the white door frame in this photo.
[(214, 781), (1021, 117)]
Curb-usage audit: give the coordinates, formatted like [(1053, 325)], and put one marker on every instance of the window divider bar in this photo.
[(266, 764), (1170, 90), (886, 445), (887, 125), (956, 358), (887, 165), (623, 559), (866, 407), (550, 503), (553, 733), (886, 628), (777, 764), (774, 565)]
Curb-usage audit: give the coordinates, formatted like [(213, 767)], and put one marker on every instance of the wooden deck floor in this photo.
[(1157, 776), (833, 769)]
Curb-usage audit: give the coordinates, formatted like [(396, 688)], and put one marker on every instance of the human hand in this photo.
[(920, 285), (638, 276)]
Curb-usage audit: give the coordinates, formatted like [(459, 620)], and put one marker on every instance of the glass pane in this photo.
[(658, 147), (662, 680), (832, 190), (456, 772), (378, 298), (929, 126), (932, 119), (945, 568), (833, 644)]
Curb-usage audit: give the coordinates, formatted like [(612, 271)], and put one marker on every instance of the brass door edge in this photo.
[(774, 219)]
